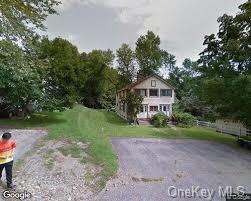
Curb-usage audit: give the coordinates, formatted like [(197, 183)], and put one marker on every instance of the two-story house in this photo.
[(158, 97)]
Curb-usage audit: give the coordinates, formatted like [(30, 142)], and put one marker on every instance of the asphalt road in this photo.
[(160, 170)]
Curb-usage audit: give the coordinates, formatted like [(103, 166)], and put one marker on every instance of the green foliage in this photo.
[(148, 54), (225, 67), (19, 17), (184, 78), (63, 73), (100, 79), (134, 103), (73, 77), (110, 86), (20, 82), (187, 82), (160, 120), (231, 97), (126, 61), (168, 61), (184, 119), (247, 137)]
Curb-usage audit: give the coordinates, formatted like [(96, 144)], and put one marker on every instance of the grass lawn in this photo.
[(96, 126)]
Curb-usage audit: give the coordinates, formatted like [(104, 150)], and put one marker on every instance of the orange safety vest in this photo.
[(7, 150)]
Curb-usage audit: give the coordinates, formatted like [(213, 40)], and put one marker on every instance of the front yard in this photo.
[(95, 127)]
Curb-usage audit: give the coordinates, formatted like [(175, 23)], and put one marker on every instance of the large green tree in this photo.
[(62, 71), (126, 62), (96, 63), (20, 83), (186, 80), (225, 66), (19, 19), (148, 54)]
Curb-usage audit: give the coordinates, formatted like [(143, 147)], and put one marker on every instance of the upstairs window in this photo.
[(166, 92), (141, 92), (153, 92), (153, 83)]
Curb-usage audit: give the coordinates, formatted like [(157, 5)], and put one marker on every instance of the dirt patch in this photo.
[(54, 171)]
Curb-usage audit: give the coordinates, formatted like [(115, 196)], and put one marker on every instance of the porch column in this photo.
[(171, 109)]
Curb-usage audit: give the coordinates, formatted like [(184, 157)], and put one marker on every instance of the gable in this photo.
[(153, 82)]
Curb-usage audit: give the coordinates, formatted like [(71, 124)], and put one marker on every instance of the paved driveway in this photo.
[(149, 167)]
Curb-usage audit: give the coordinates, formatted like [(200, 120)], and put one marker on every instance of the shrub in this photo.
[(160, 120), (184, 119)]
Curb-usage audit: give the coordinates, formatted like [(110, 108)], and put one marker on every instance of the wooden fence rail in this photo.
[(224, 128)]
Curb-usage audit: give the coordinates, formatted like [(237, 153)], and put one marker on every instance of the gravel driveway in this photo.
[(148, 167)]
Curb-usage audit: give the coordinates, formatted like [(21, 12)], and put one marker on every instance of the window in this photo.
[(164, 109), (153, 108), (153, 83), (166, 92), (153, 92), (141, 92), (143, 108), (146, 107)]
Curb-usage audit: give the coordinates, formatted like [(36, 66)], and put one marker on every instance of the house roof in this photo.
[(130, 86)]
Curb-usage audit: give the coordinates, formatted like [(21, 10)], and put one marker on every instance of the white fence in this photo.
[(225, 128)]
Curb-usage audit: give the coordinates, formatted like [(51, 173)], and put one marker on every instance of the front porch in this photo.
[(147, 111)]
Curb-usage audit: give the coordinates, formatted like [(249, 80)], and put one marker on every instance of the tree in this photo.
[(63, 75), (225, 66), (112, 82), (20, 82), (187, 82), (148, 54), (126, 61), (96, 62), (134, 103), (184, 78), (168, 61), (20, 18)]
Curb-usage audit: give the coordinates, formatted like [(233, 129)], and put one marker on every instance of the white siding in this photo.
[(149, 101), (159, 85)]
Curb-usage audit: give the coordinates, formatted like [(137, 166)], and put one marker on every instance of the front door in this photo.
[(165, 109), (143, 112)]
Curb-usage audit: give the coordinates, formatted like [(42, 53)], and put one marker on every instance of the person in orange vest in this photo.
[(7, 149)]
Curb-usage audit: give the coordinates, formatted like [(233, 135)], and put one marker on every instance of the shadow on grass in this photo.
[(38, 120)]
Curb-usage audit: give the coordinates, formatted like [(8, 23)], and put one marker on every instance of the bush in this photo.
[(160, 120), (184, 119)]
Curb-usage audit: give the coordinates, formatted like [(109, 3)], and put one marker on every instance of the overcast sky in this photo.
[(103, 24)]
